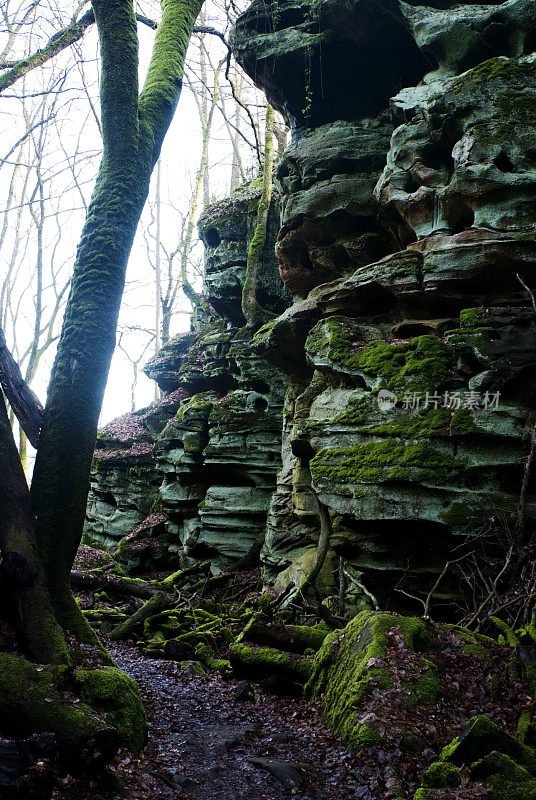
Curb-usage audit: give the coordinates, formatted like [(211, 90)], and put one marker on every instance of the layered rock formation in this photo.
[(191, 476), (408, 239)]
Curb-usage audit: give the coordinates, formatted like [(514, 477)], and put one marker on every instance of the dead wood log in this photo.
[(260, 662), (153, 606), (130, 587), (292, 638), (182, 576)]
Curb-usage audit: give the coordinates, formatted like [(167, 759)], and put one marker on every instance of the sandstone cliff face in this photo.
[(408, 229), (191, 477), (407, 239)]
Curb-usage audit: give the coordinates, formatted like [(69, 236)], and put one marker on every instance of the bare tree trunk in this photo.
[(158, 286), (237, 172), (166, 322), (280, 134), (206, 124), (254, 314), (205, 112)]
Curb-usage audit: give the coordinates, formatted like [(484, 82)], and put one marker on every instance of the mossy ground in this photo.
[(391, 681)]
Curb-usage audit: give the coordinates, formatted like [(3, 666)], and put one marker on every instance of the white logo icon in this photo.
[(386, 400)]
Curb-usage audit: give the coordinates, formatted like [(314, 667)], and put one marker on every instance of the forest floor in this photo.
[(203, 743)]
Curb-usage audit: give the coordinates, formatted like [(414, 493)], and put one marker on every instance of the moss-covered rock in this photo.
[(113, 692), (441, 775), (507, 778), (349, 666), (35, 698), (480, 737)]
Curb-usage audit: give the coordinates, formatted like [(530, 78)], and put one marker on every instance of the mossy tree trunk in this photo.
[(49, 520), (38, 629), (253, 312)]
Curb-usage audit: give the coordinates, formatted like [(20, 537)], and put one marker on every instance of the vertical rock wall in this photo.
[(407, 238), (191, 477)]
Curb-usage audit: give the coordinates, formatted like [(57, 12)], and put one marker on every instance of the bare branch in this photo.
[(526, 288), (22, 400), (72, 33), (238, 100), (363, 589), (527, 474), (212, 32)]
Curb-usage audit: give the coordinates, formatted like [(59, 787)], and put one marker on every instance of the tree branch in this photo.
[(527, 289), (363, 589), (212, 32), (68, 36), (22, 400), (241, 103), (163, 84), (60, 41)]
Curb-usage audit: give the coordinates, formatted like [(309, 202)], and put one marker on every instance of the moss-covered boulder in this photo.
[(441, 775), (90, 712), (38, 699), (508, 779), (482, 736), (113, 692), (484, 754), (350, 665)]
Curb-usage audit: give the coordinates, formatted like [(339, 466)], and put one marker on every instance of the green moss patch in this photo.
[(418, 365), (115, 693), (387, 460)]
